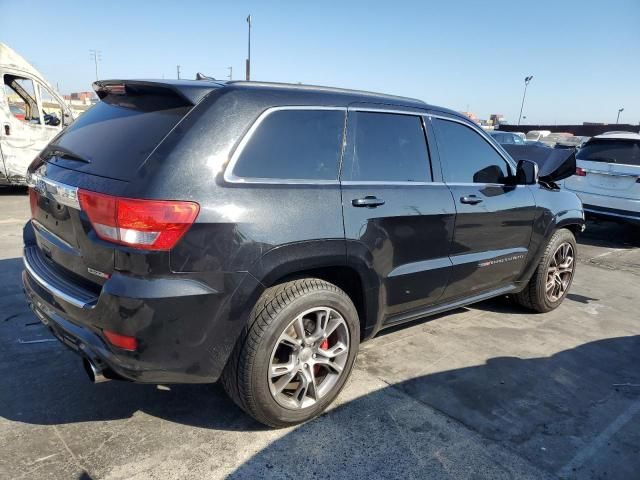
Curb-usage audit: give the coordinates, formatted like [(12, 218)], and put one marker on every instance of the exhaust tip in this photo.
[(94, 373)]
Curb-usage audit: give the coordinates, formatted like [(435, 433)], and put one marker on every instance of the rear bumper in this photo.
[(612, 214), (185, 329), (605, 206)]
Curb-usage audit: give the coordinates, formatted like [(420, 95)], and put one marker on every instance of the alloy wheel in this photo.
[(309, 358), (560, 272)]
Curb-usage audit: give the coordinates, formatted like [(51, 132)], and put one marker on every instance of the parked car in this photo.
[(17, 111), (537, 135), (506, 138), (553, 138), (257, 233), (607, 176), (31, 114), (571, 142), (536, 143)]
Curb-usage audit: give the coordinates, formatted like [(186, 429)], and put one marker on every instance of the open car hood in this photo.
[(554, 164)]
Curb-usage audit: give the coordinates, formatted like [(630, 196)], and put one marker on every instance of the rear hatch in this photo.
[(101, 151), (608, 167)]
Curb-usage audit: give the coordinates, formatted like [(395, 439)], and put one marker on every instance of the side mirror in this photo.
[(527, 172), (66, 119)]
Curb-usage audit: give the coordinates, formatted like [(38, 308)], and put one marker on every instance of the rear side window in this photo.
[(626, 152), (466, 156), (294, 144), (386, 147)]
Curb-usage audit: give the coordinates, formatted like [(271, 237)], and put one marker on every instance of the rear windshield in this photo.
[(625, 152), (115, 139)]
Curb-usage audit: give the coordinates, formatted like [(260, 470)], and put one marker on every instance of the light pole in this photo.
[(526, 84), (178, 71), (96, 56), (248, 76), (230, 73), (620, 110)]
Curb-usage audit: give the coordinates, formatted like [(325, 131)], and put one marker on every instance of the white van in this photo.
[(31, 114)]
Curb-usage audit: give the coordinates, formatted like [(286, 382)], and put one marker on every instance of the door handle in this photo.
[(7, 129), (369, 201), (470, 200)]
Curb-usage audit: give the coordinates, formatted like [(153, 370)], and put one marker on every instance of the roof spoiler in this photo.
[(187, 93)]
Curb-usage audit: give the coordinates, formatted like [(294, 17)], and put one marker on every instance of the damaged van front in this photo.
[(31, 114)]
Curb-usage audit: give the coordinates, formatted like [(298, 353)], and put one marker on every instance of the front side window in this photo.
[(51, 108), (466, 156), (294, 144), (386, 147), (20, 94)]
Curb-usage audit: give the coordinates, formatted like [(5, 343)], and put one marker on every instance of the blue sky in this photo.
[(460, 54)]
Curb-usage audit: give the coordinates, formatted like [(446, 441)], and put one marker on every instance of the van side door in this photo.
[(22, 134), (494, 217), (398, 216)]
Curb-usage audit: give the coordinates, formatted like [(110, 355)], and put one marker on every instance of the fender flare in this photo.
[(290, 259)]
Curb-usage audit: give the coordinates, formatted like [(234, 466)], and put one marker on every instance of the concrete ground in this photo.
[(489, 391)]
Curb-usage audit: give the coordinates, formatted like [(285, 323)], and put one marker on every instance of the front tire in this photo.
[(296, 354), (552, 279)]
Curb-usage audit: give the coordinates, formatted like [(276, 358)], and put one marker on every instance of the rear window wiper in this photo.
[(62, 152)]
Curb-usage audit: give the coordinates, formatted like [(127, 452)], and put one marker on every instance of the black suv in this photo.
[(256, 233)]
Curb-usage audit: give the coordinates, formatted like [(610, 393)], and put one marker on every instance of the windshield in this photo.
[(625, 152)]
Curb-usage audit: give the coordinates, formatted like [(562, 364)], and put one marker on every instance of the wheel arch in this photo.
[(326, 260)]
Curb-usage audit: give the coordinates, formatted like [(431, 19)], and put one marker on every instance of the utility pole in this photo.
[(96, 56), (248, 73), (526, 84), (178, 71), (230, 73), (620, 110)]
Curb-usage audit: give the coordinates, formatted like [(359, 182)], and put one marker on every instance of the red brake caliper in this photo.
[(324, 346)]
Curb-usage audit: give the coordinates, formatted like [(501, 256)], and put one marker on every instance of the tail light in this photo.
[(144, 224), (580, 172), (125, 342)]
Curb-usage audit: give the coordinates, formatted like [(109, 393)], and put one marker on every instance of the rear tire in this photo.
[(552, 279), (286, 334)]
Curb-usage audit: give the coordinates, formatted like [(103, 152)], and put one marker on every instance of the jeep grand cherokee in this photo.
[(256, 233)]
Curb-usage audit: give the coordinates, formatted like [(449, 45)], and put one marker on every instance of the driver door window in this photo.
[(466, 156), (51, 109), (20, 94)]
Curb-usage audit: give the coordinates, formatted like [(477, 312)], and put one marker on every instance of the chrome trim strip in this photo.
[(39, 226), (231, 178), (466, 258), (482, 133), (417, 113), (382, 182), (471, 184), (610, 214), (421, 266), (53, 290), (63, 194), (613, 174)]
